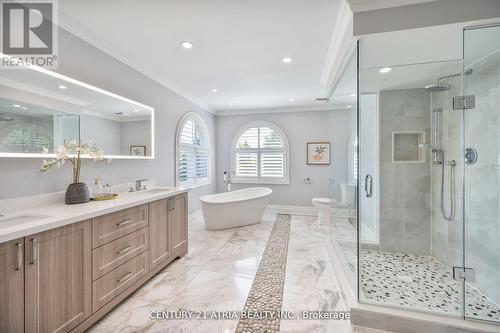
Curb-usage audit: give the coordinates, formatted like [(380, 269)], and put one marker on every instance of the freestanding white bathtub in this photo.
[(234, 209)]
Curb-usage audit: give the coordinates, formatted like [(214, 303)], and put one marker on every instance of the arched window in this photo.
[(192, 150), (260, 155)]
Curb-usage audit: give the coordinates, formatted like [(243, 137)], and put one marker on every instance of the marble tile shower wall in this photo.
[(447, 235), (405, 193), (482, 182)]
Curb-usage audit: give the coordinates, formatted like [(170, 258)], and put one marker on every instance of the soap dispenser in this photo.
[(97, 189)]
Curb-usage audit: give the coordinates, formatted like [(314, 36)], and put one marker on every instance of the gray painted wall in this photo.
[(299, 127), (78, 59), (424, 14), (105, 133), (135, 133)]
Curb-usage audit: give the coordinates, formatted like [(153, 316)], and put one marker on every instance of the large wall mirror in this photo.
[(41, 109)]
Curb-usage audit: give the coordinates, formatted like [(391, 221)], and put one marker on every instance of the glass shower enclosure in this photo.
[(429, 183)]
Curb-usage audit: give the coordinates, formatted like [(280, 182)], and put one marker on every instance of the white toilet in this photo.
[(323, 206), (348, 200)]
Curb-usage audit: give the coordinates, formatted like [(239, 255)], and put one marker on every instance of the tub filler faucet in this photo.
[(227, 180)]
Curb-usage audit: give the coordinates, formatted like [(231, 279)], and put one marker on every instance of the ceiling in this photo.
[(238, 46)]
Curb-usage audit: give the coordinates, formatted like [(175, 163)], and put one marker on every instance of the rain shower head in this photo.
[(438, 87)]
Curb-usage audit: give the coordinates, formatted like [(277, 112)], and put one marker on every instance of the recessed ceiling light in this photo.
[(24, 108), (62, 87), (385, 70), (291, 99), (353, 95), (214, 90), (16, 105), (287, 60), (348, 106), (187, 45)]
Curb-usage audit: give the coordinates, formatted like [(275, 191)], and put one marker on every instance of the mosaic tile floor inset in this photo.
[(420, 282), (266, 293)]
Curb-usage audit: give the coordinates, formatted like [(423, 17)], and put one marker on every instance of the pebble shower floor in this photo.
[(421, 282)]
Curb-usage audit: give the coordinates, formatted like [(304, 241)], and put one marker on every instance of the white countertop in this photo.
[(60, 214)]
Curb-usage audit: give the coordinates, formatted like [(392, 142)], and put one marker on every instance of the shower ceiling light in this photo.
[(16, 105), (291, 99), (287, 60), (385, 70), (214, 90), (62, 87)]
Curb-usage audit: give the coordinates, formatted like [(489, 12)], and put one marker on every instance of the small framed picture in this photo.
[(137, 150), (318, 153)]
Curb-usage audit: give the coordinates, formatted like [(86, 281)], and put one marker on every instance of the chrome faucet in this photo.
[(139, 186), (227, 180)]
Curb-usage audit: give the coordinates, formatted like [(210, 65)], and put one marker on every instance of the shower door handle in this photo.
[(369, 186)]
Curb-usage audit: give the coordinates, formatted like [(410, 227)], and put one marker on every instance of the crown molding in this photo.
[(368, 5), (302, 108), (69, 24), (341, 46)]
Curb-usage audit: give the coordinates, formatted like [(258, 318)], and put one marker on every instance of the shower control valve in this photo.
[(470, 155)]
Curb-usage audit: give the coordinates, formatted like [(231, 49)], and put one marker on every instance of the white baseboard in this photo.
[(293, 210), (307, 211)]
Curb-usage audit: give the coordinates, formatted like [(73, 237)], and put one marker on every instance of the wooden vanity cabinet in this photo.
[(65, 279), (12, 286), (179, 225), (58, 280), (159, 232), (168, 229)]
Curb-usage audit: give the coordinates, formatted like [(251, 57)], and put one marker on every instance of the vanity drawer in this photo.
[(112, 284), (115, 225), (107, 257)]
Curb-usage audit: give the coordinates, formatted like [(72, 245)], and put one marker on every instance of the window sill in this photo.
[(260, 181)]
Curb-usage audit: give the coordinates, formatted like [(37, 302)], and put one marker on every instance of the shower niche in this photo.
[(406, 147)]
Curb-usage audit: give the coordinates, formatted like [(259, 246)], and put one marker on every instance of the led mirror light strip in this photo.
[(96, 89)]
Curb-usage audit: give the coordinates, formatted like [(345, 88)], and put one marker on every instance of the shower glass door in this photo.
[(482, 172)]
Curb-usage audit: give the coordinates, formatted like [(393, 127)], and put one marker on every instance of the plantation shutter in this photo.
[(192, 153), (186, 165), (260, 154)]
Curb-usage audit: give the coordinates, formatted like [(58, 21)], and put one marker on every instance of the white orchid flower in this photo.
[(62, 152)]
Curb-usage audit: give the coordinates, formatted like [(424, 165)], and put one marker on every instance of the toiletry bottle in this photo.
[(97, 189)]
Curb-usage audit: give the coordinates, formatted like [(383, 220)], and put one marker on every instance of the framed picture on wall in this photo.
[(137, 150), (318, 153)]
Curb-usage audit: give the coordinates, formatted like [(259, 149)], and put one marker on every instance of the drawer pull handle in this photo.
[(34, 250), (125, 249), (124, 277), (124, 222), (19, 256)]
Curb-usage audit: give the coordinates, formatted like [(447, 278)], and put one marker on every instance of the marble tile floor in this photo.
[(218, 272)]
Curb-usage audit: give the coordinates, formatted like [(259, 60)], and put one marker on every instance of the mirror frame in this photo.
[(99, 90)]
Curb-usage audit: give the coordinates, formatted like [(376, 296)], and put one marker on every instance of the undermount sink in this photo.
[(155, 191), (7, 221)]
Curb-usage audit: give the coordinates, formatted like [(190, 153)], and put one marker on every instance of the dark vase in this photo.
[(77, 193)]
